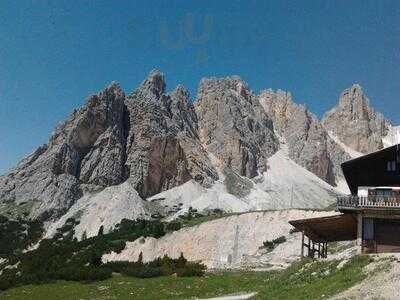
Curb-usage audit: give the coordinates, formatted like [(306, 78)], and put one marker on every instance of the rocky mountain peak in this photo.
[(233, 126), (301, 131), (355, 123), (354, 100), (181, 92), (163, 149), (154, 83), (233, 84), (277, 104)]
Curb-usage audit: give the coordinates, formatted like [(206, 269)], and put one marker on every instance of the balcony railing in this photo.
[(368, 202)]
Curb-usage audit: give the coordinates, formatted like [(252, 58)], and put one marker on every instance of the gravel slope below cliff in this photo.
[(230, 242), (104, 208), (285, 185)]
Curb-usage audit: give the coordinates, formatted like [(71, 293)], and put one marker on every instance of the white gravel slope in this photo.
[(292, 186), (230, 242), (285, 185), (105, 208)]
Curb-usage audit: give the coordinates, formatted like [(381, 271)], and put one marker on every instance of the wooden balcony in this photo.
[(373, 202)]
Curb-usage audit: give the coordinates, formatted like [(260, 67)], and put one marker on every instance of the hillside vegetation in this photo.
[(63, 257), (303, 280)]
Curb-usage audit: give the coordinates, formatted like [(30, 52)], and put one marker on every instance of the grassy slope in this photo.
[(303, 280)]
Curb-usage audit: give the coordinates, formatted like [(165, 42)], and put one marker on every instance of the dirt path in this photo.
[(380, 284), (234, 297)]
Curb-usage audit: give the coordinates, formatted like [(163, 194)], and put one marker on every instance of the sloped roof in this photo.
[(328, 229), (371, 169)]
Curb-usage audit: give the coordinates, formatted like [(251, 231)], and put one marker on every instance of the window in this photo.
[(391, 166), (384, 192)]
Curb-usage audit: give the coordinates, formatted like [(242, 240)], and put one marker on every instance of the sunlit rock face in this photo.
[(86, 148), (355, 123), (233, 126), (306, 139), (163, 148)]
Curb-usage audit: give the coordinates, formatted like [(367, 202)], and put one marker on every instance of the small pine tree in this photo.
[(181, 261), (190, 213), (101, 230), (84, 236), (140, 258)]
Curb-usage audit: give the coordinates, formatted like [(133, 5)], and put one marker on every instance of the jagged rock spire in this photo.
[(355, 123), (233, 126)]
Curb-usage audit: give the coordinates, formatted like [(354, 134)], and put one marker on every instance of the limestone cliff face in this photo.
[(87, 148), (233, 126), (163, 149), (306, 139), (355, 123)]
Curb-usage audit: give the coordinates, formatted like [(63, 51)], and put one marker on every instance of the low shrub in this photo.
[(87, 274), (117, 266), (143, 271), (270, 245), (191, 270), (159, 267), (173, 226), (6, 282), (279, 240), (117, 245)]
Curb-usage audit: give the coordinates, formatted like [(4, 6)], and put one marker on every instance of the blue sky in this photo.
[(53, 54)]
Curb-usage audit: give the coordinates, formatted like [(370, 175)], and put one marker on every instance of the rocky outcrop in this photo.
[(163, 149), (51, 175), (355, 123), (306, 139), (233, 126)]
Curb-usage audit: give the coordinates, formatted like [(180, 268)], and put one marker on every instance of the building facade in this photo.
[(371, 214)]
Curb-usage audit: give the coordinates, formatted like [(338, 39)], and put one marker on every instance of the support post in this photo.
[(319, 250), (359, 233), (302, 244)]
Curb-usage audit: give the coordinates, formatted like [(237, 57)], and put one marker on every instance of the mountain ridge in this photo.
[(161, 140)]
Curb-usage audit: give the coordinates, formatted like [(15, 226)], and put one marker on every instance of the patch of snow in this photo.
[(105, 208), (353, 153), (392, 138), (229, 242)]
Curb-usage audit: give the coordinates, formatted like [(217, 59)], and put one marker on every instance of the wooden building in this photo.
[(371, 214)]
